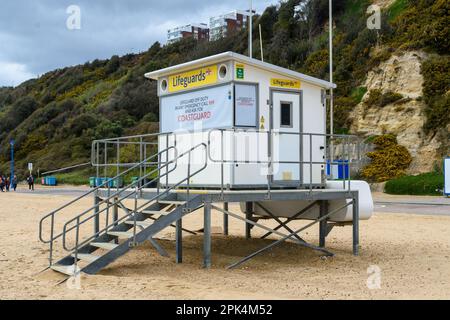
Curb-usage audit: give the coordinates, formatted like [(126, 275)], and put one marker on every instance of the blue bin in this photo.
[(342, 169), (50, 181), (98, 182), (343, 172), (104, 182)]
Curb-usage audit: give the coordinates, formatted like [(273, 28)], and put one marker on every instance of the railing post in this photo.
[(77, 236), (323, 223), (188, 180), (248, 216), (96, 213), (221, 165), (310, 164), (134, 214), (355, 216), (225, 219), (167, 161), (207, 235), (179, 241), (116, 215), (52, 228)]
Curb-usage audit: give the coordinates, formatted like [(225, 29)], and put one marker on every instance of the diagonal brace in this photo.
[(305, 244), (288, 236), (279, 221), (299, 214)]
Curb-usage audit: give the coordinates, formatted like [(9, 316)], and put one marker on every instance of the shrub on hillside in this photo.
[(379, 99), (423, 184), (388, 160), (436, 88)]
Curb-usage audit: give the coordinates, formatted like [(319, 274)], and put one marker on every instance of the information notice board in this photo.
[(198, 110), (447, 176)]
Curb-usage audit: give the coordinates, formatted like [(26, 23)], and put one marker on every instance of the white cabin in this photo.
[(261, 124)]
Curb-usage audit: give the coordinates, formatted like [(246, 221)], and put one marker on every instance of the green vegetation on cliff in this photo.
[(54, 118)]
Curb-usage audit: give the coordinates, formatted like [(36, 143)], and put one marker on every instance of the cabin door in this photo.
[(286, 125)]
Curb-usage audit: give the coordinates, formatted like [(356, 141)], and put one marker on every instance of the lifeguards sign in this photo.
[(193, 79), (197, 110), (285, 83)]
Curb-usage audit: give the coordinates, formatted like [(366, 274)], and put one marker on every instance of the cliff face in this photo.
[(404, 118)]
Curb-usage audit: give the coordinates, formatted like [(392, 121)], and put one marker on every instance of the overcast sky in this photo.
[(34, 37)]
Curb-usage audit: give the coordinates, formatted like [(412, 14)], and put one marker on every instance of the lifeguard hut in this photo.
[(232, 130)]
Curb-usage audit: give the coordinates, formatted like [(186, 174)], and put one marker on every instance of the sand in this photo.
[(412, 253)]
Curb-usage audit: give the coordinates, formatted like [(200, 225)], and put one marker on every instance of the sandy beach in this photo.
[(411, 251)]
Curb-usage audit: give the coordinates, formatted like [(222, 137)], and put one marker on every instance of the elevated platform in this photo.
[(214, 195)]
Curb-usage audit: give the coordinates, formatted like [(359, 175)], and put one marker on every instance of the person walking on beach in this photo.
[(14, 183), (7, 184), (2, 183), (30, 181)]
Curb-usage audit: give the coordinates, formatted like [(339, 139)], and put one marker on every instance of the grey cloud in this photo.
[(34, 38)]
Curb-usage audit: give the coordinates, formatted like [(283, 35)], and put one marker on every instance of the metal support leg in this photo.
[(225, 219), (179, 241), (355, 207), (248, 216), (207, 236), (158, 247), (96, 212), (116, 216), (323, 224)]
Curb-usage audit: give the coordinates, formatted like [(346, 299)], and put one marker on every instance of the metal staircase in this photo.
[(94, 238)]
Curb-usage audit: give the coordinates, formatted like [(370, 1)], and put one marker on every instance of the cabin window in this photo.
[(286, 114), (246, 105)]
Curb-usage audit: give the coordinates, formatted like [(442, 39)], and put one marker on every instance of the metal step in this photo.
[(86, 257), (139, 223), (67, 270), (176, 202), (121, 234), (104, 245), (152, 212)]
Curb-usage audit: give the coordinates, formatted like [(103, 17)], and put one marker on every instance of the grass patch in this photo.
[(358, 93), (77, 178), (427, 184), (397, 8)]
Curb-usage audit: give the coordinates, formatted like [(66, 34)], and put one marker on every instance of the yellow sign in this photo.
[(262, 121), (285, 83), (193, 79)]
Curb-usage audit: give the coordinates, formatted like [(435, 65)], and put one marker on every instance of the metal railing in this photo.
[(132, 213), (345, 142), (106, 184), (109, 153)]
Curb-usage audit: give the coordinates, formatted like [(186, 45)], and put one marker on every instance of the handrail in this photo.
[(106, 200), (107, 182), (97, 144), (270, 162), (135, 136), (278, 133), (132, 212)]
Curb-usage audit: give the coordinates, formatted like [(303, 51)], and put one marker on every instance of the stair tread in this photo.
[(155, 212), (86, 256), (104, 245), (139, 223), (177, 202), (121, 234), (67, 270)]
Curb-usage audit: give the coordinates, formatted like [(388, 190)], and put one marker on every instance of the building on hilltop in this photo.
[(225, 24), (198, 31)]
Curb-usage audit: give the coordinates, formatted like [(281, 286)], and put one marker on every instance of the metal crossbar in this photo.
[(286, 237), (300, 242), (295, 216), (284, 225)]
